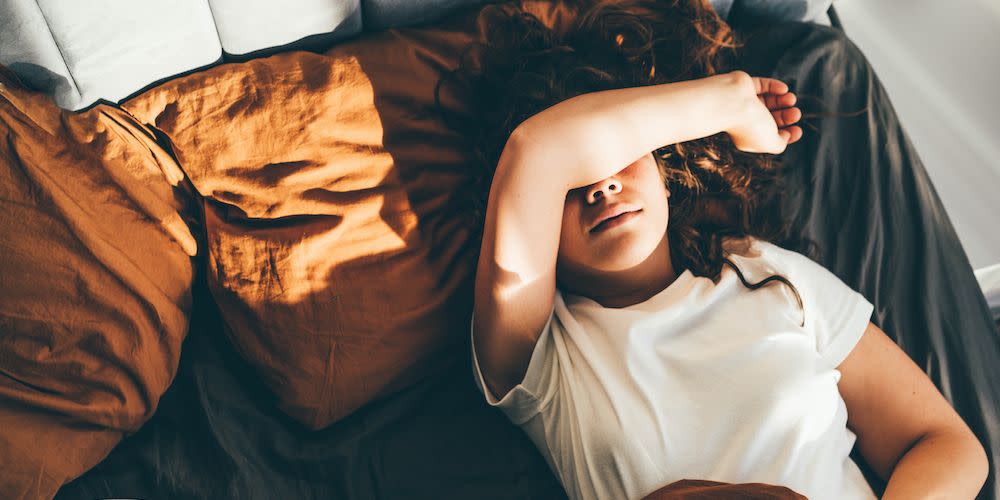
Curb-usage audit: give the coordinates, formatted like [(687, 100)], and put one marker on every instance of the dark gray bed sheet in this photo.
[(857, 188)]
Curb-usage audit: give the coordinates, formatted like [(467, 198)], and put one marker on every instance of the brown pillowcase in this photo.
[(95, 281), (337, 250), (336, 253)]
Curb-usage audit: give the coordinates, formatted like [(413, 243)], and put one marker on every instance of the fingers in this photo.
[(785, 136), (773, 101), (776, 97), (791, 134), (766, 85), (786, 117), (774, 93)]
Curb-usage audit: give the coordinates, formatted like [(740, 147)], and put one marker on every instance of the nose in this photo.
[(601, 189)]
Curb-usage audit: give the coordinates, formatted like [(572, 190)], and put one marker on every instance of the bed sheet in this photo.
[(856, 187)]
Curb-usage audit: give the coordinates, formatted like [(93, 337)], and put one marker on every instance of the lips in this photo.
[(610, 214)]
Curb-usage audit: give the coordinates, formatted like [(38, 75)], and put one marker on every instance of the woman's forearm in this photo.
[(942, 465), (599, 133)]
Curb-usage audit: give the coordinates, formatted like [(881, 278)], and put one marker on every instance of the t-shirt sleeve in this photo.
[(836, 314), (527, 398)]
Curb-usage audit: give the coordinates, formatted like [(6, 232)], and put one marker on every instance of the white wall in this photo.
[(940, 64)]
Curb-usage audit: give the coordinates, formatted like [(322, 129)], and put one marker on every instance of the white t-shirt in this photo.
[(701, 381)]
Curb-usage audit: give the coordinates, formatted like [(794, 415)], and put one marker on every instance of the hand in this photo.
[(766, 122), (781, 103)]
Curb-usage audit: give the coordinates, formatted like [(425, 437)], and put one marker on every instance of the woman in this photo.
[(631, 314)]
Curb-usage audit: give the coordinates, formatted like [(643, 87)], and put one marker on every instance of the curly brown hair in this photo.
[(523, 67)]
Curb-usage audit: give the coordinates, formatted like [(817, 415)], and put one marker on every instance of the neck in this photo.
[(616, 289)]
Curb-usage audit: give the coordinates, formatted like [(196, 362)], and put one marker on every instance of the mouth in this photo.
[(615, 221)]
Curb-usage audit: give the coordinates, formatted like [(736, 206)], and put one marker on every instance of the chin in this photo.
[(623, 253)]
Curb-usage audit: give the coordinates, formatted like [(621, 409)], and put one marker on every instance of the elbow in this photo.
[(979, 463), (970, 453), (983, 462), (979, 466)]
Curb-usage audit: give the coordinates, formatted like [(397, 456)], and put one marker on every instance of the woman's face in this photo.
[(590, 242)]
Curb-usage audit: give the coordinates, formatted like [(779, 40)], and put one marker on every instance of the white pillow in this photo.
[(249, 25), (81, 51)]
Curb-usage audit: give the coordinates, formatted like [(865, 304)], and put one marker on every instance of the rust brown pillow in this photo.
[(95, 281), (335, 250), (336, 245)]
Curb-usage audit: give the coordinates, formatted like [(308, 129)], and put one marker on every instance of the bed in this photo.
[(241, 270)]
